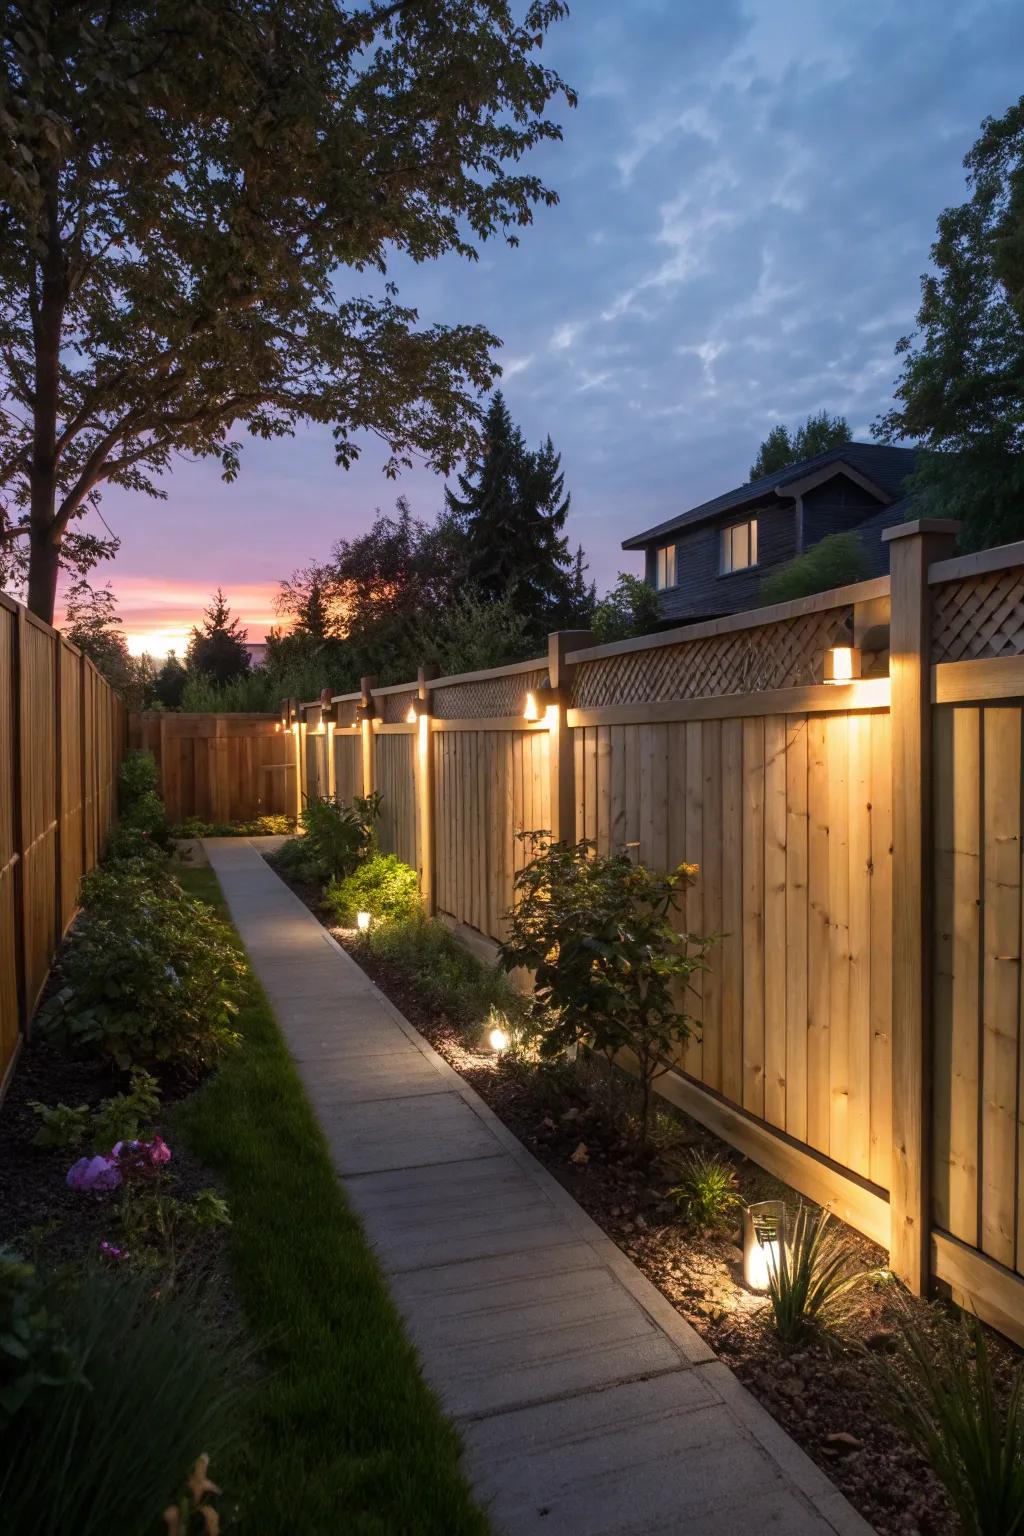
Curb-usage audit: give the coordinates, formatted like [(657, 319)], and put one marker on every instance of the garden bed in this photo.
[(825, 1394)]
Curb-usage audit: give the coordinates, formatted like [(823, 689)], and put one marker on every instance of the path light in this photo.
[(363, 922), (842, 664), (498, 1037), (764, 1232)]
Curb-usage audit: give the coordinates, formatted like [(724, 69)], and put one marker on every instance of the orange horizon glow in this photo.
[(158, 616)]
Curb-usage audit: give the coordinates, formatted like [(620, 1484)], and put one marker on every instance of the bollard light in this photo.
[(764, 1233), (363, 922)]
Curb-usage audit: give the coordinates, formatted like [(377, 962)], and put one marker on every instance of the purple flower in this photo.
[(94, 1174), (112, 1253), (141, 1157)]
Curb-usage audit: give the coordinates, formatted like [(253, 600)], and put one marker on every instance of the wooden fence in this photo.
[(61, 738), (219, 768), (860, 849)]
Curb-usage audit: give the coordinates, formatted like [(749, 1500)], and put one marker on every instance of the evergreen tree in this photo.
[(310, 598), (961, 391), (169, 683), (217, 647), (817, 434), (512, 510)]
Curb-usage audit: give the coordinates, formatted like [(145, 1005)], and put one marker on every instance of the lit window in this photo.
[(739, 546), (666, 572)]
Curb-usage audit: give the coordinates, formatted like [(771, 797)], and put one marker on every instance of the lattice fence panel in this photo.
[(979, 616), (346, 715), (487, 698), (782, 655), (393, 707)]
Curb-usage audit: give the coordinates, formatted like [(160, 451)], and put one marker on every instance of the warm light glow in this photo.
[(842, 664), (410, 718), (764, 1229), (551, 716), (530, 710), (363, 922), (498, 1039)]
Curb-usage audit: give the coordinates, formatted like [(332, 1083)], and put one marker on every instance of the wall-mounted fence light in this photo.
[(365, 711), (842, 664), (328, 708), (418, 709), (541, 700), (764, 1233)]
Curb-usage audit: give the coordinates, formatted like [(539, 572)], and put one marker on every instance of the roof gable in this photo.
[(876, 466)]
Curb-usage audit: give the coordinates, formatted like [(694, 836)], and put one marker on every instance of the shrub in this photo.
[(141, 830), (610, 969), (159, 1229), (337, 837), (257, 826), (446, 976), (62, 1127), (809, 1286), (148, 975), (106, 1448), (707, 1190), (126, 1116), (35, 1355), (836, 561), (137, 777), (948, 1402), (383, 886)]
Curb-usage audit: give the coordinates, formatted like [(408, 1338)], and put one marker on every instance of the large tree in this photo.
[(512, 509), (182, 188), (217, 647), (961, 391), (781, 448)]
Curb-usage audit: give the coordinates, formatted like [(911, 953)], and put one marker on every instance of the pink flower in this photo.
[(112, 1253), (141, 1157), (94, 1174)]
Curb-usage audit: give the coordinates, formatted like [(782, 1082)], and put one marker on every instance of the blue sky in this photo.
[(748, 194)]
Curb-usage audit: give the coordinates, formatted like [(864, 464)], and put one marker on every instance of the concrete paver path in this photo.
[(586, 1405)]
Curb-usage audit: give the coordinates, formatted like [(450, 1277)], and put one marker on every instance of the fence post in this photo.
[(561, 765), (423, 769), (18, 757), (366, 687), (913, 547)]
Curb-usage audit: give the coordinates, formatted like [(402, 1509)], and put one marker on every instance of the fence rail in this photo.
[(61, 738), (860, 849)]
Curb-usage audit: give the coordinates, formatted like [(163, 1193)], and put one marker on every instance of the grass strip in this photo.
[(342, 1433)]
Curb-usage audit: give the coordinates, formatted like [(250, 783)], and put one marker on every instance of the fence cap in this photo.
[(918, 525)]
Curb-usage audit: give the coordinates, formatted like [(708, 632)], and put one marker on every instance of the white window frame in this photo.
[(665, 572), (733, 540)]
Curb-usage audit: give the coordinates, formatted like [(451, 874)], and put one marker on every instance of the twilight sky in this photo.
[(748, 195)]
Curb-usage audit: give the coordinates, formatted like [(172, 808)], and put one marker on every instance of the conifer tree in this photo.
[(217, 647), (512, 510)]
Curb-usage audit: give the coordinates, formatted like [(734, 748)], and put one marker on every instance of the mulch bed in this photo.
[(826, 1394)]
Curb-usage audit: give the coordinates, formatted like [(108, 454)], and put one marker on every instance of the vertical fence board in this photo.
[(796, 928), (775, 953)]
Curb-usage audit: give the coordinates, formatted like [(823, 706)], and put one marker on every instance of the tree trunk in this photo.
[(44, 542)]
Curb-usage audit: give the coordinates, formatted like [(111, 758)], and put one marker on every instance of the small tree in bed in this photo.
[(610, 970)]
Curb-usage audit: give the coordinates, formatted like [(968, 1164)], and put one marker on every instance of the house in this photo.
[(713, 559)]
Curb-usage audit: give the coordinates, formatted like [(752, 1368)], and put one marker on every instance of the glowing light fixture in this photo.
[(498, 1039), (842, 664), (764, 1232), (363, 922), (530, 709), (410, 718)]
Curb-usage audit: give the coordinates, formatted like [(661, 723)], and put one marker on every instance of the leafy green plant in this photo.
[(62, 1127), (707, 1191), (138, 777), (810, 1284), (158, 1228), (946, 1399), (148, 975), (447, 978), (35, 1354), (336, 838), (104, 1449), (610, 968), (256, 826), (383, 886), (838, 560), (127, 1116)]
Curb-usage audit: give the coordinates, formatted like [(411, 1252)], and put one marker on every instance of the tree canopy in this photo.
[(92, 622), (817, 434), (191, 196), (961, 390)]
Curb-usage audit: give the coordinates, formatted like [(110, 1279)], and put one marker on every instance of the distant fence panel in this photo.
[(348, 765), (490, 785), (394, 777), (220, 767), (61, 739)]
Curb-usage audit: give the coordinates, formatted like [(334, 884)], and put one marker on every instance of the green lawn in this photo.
[(343, 1438)]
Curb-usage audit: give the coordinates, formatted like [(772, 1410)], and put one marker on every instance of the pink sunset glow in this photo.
[(158, 614)]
